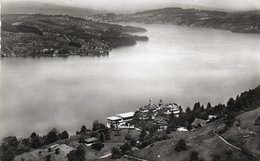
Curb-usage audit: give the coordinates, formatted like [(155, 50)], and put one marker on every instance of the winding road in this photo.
[(233, 146)]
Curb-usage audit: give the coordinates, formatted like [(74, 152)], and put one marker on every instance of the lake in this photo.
[(178, 64)]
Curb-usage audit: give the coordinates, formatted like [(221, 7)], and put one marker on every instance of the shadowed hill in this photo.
[(235, 136), (240, 22)]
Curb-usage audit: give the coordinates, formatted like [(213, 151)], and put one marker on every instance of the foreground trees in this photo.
[(181, 146), (77, 155)]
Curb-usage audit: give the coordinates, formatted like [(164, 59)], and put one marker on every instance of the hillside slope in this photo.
[(62, 35), (241, 22), (209, 144)]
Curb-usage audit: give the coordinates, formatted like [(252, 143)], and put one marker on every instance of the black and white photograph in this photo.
[(130, 80)]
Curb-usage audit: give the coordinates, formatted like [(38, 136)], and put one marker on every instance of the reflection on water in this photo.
[(178, 64)]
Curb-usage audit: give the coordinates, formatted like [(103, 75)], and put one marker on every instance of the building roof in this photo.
[(212, 116), (198, 122), (126, 115), (160, 120), (182, 129), (114, 118), (91, 139), (149, 107)]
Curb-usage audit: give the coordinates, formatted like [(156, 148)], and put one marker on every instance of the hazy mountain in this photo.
[(27, 7)]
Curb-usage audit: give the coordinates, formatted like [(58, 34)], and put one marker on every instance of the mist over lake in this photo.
[(178, 64)]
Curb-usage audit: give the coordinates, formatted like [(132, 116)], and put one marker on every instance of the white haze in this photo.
[(137, 5)]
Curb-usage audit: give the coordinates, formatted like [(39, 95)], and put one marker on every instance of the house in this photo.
[(90, 141), (126, 116), (211, 118), (197, 123), (113, 121), (152, 110), (182, 129), (161, 121), (171, 108), (120, 120)]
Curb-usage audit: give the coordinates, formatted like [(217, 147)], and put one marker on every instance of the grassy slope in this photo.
[(247, 132), (203, 141)]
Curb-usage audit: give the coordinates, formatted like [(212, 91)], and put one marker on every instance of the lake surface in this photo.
[(178, 64)]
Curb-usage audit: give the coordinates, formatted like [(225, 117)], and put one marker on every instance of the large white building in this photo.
[(120, 120)]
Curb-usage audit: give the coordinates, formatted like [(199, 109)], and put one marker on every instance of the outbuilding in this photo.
[(197, 123)]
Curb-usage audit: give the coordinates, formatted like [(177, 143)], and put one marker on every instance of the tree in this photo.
[(10, 141), (219, 110), (194, 156), (231, 105), (64, 135), (128, 137), (52, 136), (188, 110), (203, 115), (209, 107), (102, 126), (182, 119), (107, 134), (102, 137), (257, 121), (172, 122), (22, 148), (153, 129), (125, 148), (83, 130), (75, 44), (97, 146), (95, 125), (26, 141), (116, 153), (94, 134), (197, 109), (216, 157), (181, 146), (57, 151), (77, 155), (8, 154), (48, 158), (35, 141), (142, 135), (132, 142), (136, 119), (189, 114), (117, 132), (181, 109)]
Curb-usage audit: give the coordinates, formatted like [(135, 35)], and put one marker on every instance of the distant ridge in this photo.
[(29, 7), (238, 22)]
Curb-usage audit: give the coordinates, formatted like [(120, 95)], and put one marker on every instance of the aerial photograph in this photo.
[(130, 80)]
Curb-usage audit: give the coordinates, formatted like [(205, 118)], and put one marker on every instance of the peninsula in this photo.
[(38, 35)]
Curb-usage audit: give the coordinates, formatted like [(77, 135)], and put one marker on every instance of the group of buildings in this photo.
[(157, 113), (28, 44)]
